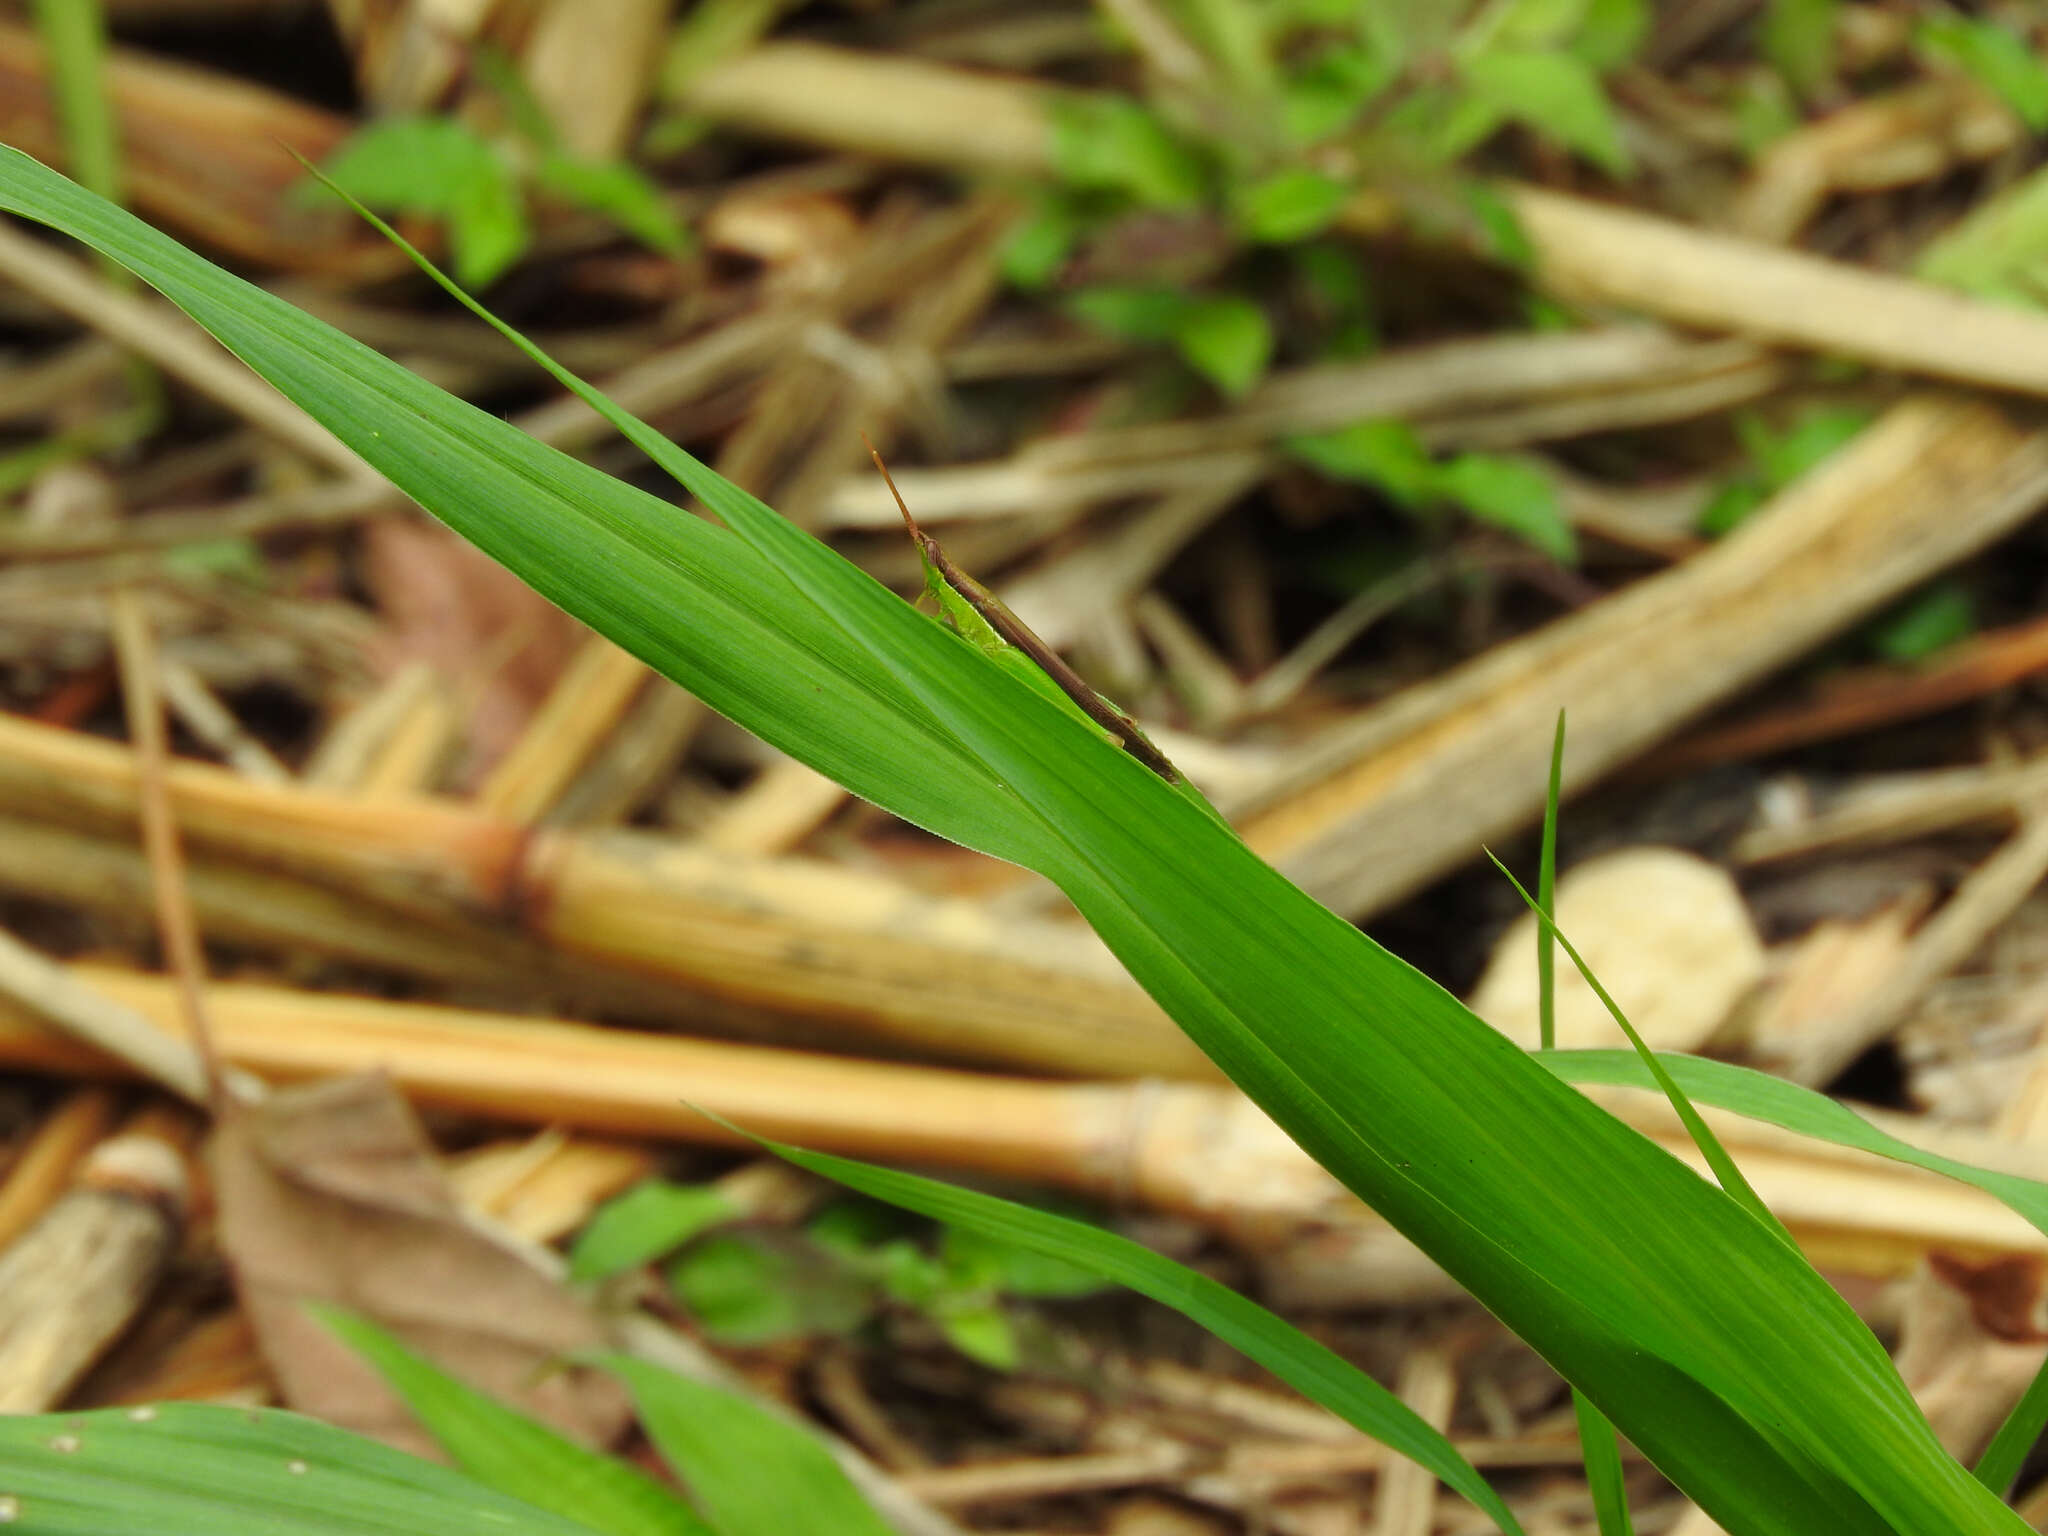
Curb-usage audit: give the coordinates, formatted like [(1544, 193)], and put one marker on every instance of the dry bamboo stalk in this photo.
[(345, 755), (1991, 894), (589, 65), (1416, 786), (1895, 808), (786, 802), (634, 762), (177, 932), (46, 1164), (544, 1187), (1492, 391), (47, 990), (75, 1280), (1612, 255), (214, 723), (786, 935), (1406, 1505), (888, 106), (586, 704), (1195, 1149)]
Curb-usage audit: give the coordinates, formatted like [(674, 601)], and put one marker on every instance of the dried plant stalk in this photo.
[(1197, 1149), (76, 1279)]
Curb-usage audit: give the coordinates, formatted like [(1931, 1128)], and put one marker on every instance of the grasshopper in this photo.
[(978, 616)]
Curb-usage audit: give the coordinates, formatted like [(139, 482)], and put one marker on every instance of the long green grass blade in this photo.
[(1598, 1444), (1760, 1096), (1281, 1348), (195, 1469), (2002, 1458), (1701, 1335), (1603, 1468), (1546, 899), (1725, 1170), (750, 1472), (516, 1455)]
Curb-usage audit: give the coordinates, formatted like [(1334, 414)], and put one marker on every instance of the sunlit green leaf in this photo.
[(620, 193), (437, 168), (1112, 142), (1611, 33), (514, 1454), (1514, 495), (1999, 249), (757, 1287), (1244, 1325), (197, 1469), (1553, 94), (1226, 339), (1538, 23), (1996, 57), (979, 1328), (1038, 245), (1386, 455), (652, 1218), (1290, 206), (1798, 38), (1139, 313), (1328, 91), (979, 1259), (750, 1472), (1935, 617)]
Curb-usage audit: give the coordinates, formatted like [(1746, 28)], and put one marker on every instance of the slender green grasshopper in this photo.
[(978, 616)]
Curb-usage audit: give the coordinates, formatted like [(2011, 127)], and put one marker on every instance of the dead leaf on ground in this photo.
[(330, 1191)]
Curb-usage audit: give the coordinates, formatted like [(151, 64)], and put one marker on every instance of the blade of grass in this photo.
[(1733, 1366), (1546, 899), (2001, 1461), (1598, 1445), (750, 1472), (1760, 1096), (1603, 1469), (1245, 1326), (1703, 1137), (512, 1453), (197, 1469)]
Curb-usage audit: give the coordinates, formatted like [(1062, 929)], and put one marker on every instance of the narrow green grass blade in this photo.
[(1760, 1096), (1725, 1170), (1603, 1468), (195, 1469), (1245, 1326), (516, 1455), (1701, 1335), (1599, 1447), (2001, 1461), (1546, 899), (74, 34), (750, 1473)]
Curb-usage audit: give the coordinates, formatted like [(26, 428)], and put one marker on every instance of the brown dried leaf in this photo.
[(330, 1191)]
